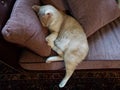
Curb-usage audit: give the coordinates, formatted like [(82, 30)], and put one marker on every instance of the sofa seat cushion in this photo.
[(105, 44), (104, 52)]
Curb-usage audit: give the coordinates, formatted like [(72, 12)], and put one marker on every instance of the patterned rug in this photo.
[(11, 79)]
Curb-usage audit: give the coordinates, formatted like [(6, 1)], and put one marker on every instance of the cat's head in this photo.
[(47, 14)]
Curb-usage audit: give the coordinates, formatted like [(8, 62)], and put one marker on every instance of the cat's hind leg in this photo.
[(70, 67), (71, 60), (51, 38)]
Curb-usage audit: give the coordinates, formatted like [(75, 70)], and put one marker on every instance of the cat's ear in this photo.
[(36, 8)]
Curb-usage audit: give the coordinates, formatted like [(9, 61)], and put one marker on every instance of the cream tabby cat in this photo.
[(67, 38)]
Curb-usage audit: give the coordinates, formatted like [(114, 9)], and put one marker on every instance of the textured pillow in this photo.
[(24, 28), (93, 14)]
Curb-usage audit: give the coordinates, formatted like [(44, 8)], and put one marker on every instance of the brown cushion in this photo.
[(60, 4), (5, 10), (9, 53), (93, 14), (24, 28)]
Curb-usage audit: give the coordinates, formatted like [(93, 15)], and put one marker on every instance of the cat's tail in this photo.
[(71, 61)]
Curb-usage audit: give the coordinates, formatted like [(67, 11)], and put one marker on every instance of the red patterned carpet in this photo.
[(11, 79)]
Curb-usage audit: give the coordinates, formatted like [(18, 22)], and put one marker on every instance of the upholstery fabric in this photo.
[(22, 23), (93, 14), (60, 4), (9, 53), (24, 28), (5, 9), (31, 57), (104, 52)]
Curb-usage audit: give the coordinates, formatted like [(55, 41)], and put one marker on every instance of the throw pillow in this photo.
[(24, 28), (93, 14)]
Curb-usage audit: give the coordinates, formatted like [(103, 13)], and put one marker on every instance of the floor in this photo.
[(11, 79)]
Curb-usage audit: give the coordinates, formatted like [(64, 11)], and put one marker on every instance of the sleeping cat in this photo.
[(67, 38)]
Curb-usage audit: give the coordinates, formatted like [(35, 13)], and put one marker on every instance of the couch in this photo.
[(8, 51), (104, 43)]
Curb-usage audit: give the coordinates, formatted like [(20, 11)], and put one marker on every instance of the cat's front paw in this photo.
[(48, 60), (49, 42), (47, 39)]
